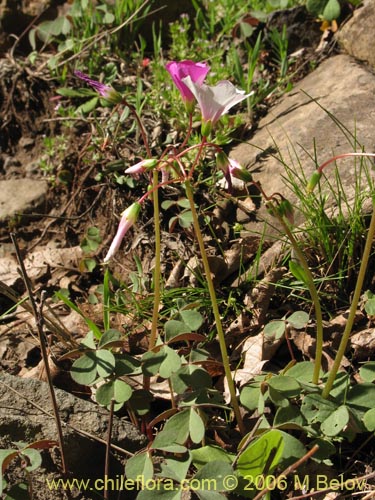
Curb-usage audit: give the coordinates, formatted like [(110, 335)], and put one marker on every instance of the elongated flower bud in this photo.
[(128, 219), (314, 179)]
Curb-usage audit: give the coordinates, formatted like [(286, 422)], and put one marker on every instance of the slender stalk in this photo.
[(313, 293), (157, 273), (42, 342), (353, 306), (108, 449), (215, 308)]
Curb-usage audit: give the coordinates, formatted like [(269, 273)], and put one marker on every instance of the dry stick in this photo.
[(39, 324), (287, 471), (108, 448), (326, 490)]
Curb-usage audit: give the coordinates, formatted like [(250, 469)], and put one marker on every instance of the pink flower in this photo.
[(128, 219), (141, 167), (215, 101), (232, 168), (195, 71), (106, 91)]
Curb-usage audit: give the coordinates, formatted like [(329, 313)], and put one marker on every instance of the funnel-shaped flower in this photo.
[(141, 166), (180, 70), (215, 101), (128, 219), (232, 168), (106, 91)]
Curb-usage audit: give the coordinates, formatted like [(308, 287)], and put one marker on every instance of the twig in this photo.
[(42, 341), (287, 471), (108, 448)]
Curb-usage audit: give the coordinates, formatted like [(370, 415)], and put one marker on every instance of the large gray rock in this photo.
[(298, 129), (22, 418), (19, 196), (356, 37)]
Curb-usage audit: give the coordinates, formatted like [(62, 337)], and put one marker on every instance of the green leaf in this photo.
[(105, 393), (326, 449), (140, 401), (87, 106), (176, 468), (335, 423), (183, 203), (316, 409), (185, 219), (302, 371), (167, 204), (6, 456), (332, 10), (170, 364), (367, 372), (90, 264), (122, 391), (275, 329), (264, 451), (370, 306), (210, 453), (105, 362), (192, 318), (369, 420), (196, 427), (151, 362), (316, 7), (289, 415), (173, 328), (298, 319), (217, 470), (163, 494), (297, 270), (18, 491), (35, 458), (139, 465), (361, 397), (250, 396), (192, 376), (288, 386), (126, 365), (293, 450), (109, 336), (175, 431), (84, 370)]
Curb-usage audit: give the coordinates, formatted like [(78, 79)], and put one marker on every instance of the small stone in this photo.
[(18, 196)]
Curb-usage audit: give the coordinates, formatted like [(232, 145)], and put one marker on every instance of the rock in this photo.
[(19, 196), (297, 129), (356, 37), (23, 417)]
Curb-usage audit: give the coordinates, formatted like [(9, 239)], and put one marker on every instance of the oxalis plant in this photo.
[(318, 410)]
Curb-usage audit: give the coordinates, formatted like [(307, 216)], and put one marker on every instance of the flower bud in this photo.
[(206, 128), (222, 161), (128, 219), (314, 179)]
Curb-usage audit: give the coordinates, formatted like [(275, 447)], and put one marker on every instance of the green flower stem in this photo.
[(353, 306), (157, 273), (215, 308), (313, 293)]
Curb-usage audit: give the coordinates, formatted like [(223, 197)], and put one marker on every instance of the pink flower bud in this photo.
[(106, 91), (128, 219)]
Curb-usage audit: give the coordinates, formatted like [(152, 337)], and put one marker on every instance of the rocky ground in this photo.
[(50, 220)]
